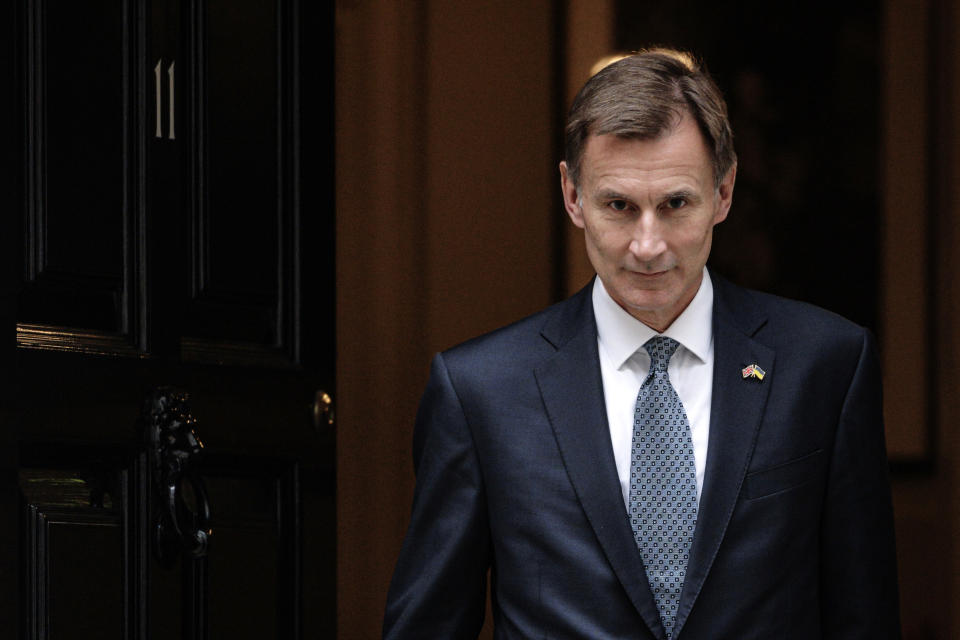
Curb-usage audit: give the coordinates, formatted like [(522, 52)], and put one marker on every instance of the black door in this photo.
[(167, 448)]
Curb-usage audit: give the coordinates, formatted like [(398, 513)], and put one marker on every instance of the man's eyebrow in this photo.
[(610, 194), (686, 194)]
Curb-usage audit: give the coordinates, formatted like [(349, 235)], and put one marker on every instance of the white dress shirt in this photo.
[(624, 363)]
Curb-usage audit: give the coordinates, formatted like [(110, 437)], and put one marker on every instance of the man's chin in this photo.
[(648, 304), (646, 301), (650, 295)]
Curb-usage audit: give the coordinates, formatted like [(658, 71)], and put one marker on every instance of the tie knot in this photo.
[(661, 349)]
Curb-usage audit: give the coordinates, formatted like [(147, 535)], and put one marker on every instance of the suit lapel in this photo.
[(737, 408), (572, 390)]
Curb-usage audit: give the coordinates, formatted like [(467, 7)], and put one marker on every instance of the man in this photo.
[(664, 455)]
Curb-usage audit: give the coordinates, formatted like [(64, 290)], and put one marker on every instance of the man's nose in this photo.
[(647, 241)]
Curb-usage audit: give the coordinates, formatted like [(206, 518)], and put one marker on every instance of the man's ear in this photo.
[(571, 200), (725, 195)]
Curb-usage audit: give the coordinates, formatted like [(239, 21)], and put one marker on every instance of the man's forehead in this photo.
[(608, 152), (681, 150)]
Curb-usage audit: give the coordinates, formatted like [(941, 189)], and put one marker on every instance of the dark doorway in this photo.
[(802, 84)]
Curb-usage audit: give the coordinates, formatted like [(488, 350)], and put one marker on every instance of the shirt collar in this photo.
[(621, 335)]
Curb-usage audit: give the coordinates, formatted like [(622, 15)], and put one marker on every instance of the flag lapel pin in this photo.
[(753, 371)]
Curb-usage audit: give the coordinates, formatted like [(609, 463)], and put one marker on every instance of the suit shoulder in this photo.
[(809, 315), (528, 341), (786, 320), (513, 339)]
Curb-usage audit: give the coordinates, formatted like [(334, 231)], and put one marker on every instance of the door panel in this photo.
[(248, 566), (79, 588), (78, 166), (72, 513), (241, 86), (243, 228)]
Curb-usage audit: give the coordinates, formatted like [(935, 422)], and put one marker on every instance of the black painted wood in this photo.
[(139, 259), (243, 237), (78, 226)]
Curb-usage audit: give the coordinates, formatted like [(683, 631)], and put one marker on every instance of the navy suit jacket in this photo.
[(516, 475)]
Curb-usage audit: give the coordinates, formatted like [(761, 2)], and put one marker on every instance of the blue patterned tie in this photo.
[(663, 482)]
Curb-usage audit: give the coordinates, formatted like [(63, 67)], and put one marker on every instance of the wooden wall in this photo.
[(446, 176), (920, 172)]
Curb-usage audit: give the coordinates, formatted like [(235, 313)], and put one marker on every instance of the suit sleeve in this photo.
[(439, 584), (859, 569)]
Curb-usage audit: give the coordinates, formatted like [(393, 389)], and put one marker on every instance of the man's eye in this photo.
[(676, 203), (618, 205)]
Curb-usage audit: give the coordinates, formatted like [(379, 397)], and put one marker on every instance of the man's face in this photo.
[(647, 208)]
